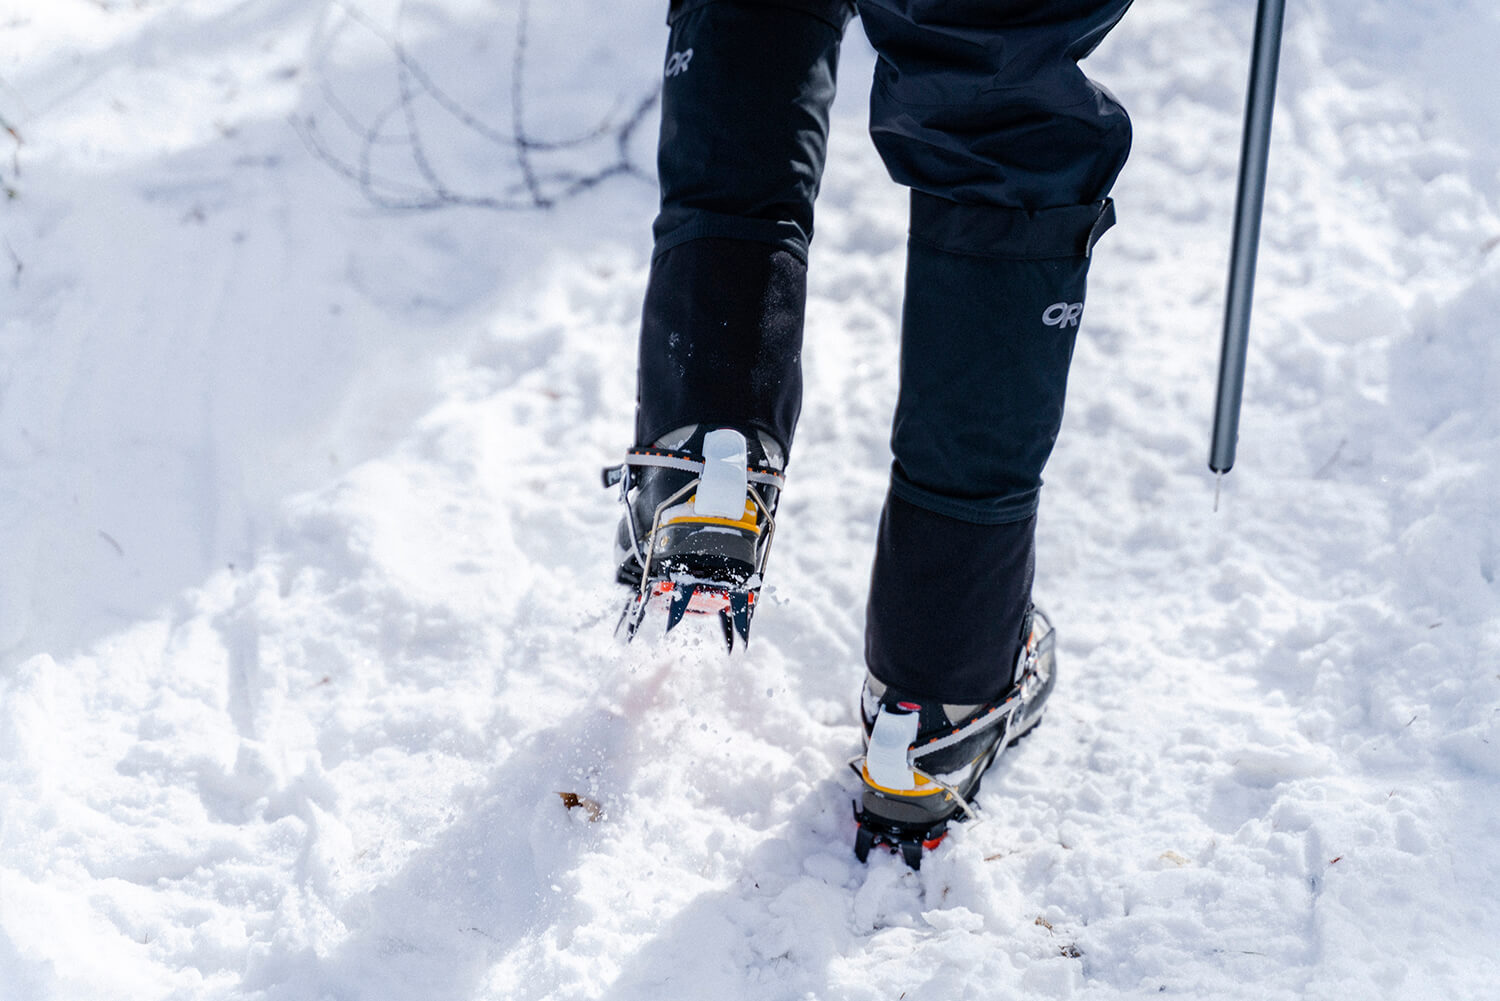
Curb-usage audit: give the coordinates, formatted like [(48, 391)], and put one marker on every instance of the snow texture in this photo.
[(305, 619)]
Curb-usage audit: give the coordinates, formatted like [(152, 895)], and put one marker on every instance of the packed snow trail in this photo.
[(305, 619)]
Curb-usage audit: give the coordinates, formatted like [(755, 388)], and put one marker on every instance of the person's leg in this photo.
[(979, 106), (745, 100), (744, 134)]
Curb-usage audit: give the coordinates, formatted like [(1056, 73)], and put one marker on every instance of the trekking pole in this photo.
[(1254, 152)]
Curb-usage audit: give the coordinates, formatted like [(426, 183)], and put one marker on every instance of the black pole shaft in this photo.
[(1254, 153)]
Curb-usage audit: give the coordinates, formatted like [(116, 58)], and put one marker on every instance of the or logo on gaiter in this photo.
[(1062, 314), (677, 62)]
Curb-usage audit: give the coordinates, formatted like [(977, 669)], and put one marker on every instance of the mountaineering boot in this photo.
[(924, 760), (699, 516)]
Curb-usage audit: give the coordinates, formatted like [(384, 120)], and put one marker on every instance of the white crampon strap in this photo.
[(890, 742), (725, 478)]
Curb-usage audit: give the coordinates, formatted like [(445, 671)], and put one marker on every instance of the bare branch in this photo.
[(15, 275), (517, 93), (537, 185), (15, 156)]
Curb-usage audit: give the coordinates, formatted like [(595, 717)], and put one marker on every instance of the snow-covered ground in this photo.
[(305, 617)]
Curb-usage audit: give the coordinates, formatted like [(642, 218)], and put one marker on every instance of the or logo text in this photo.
[(677, 62), (1062, 314)]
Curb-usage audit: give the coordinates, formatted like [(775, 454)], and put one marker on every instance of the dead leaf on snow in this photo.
[(572, 801)]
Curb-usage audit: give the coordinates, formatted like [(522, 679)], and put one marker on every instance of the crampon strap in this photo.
[(667, 458)]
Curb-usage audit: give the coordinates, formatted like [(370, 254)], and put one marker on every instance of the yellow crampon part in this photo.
[(749, 523), (924, 785)]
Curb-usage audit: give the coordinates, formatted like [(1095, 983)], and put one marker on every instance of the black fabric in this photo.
[(983, 102), (835, 12), (947, 599), (721, 339), (744, 128), (985, 347), (1000, 231)]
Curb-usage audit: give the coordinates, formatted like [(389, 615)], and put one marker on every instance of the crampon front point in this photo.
[(734, 606)]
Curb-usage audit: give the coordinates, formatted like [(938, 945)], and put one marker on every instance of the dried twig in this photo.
[(15, 156)]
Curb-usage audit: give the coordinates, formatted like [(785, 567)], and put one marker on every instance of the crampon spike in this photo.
[(864, 840), (727, 624), (682, 597), (739, 612), (907, 841)]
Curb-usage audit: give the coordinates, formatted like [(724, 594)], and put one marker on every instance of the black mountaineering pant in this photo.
[(980, 108)]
